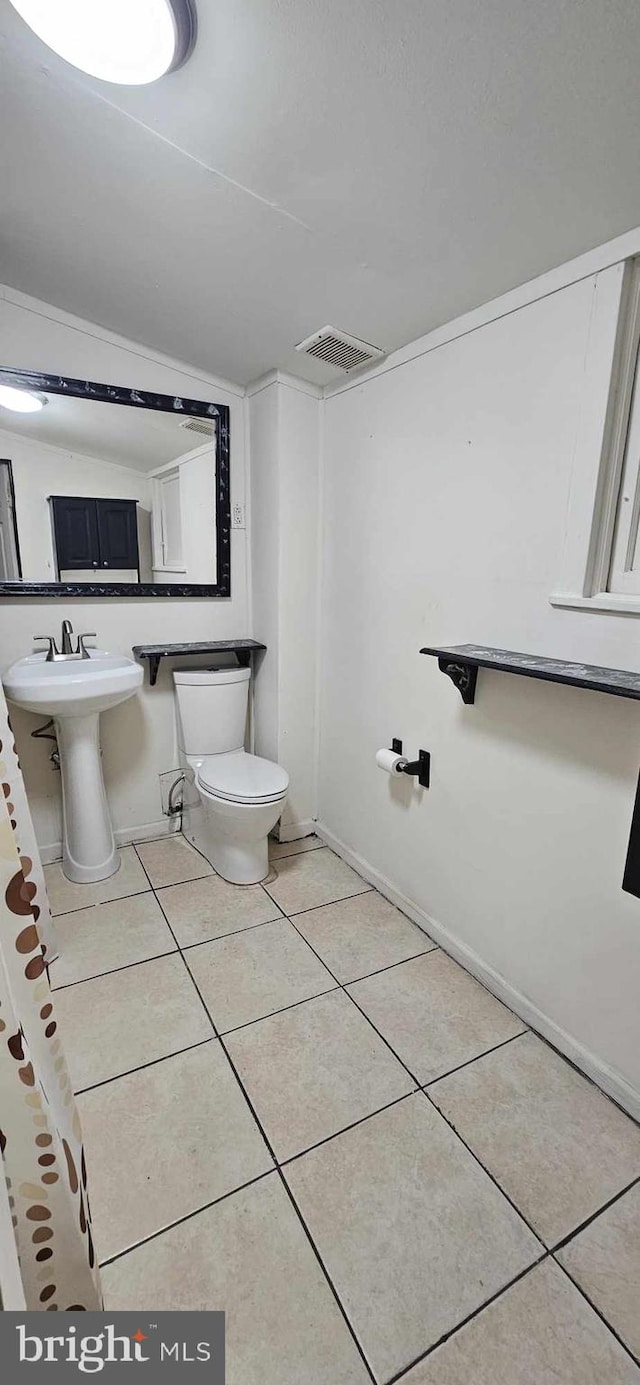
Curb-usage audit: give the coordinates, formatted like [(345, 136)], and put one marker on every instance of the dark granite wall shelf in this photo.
[(461, 663), (245, 650)]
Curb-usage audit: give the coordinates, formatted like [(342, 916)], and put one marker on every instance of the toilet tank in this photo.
[(212, 709)]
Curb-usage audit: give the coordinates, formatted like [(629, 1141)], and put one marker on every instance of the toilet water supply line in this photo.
[(174, 809)]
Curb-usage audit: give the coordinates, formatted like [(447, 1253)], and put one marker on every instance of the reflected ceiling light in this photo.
[(130, 42), (20, 401)]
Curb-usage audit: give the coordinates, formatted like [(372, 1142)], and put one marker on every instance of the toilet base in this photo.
[(232, 837), (242, 864)]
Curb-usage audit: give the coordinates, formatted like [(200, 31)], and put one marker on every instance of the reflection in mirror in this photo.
[(10, 565), (96, 490)]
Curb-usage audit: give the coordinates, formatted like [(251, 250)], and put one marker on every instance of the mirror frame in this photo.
[(138, 399)]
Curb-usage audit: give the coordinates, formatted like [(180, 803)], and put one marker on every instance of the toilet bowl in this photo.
[(231, 798)]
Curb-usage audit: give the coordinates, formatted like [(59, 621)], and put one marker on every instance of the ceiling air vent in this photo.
[(339, 349), (198, 425)]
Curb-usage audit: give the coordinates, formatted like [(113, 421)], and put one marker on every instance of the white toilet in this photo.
[(231, 799)]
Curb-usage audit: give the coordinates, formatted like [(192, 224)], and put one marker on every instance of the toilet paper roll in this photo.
[(390, 762)]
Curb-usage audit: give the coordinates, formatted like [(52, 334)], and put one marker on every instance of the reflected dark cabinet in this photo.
[(95, 534), (118, 533)]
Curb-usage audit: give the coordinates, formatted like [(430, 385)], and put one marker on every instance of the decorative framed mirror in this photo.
[(110, 491)]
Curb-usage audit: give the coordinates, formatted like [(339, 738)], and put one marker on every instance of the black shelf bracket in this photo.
[(463, 676)]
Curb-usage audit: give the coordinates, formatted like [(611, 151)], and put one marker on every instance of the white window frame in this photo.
[(603, 461)]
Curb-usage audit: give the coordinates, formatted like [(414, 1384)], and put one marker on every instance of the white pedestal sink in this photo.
[(74, 691)]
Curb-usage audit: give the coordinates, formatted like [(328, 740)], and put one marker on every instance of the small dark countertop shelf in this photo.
[(245, 649), (461, 663)]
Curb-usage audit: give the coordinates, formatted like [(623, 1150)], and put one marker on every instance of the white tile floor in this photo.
[(298, 1109)]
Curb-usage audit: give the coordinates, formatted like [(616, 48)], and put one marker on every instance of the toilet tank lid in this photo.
[(211, 676)]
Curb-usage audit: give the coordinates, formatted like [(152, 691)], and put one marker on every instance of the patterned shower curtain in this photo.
[(41, 1155)]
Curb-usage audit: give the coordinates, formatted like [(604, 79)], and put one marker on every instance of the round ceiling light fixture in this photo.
[(21, 401), (131, 42)]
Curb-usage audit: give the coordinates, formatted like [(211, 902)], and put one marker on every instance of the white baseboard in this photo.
[(50, 853), (295, 830), (612, 1082), (146, 832)]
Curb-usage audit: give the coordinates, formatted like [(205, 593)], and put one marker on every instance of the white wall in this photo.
[(446, 483), (285, 441), (39, 471), (138, 738), (264, 444)]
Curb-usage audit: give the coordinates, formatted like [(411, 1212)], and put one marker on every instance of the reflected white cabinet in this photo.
[(184, 518), (167, 524)]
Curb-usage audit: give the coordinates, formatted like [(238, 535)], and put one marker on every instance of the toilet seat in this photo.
[(242, 778)]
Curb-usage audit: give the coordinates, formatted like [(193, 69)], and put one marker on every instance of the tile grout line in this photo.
[(446, 1336), (168, 836), (566, 1240), (390, 966), (584, 1075), (182, 958), (117, 899), (219, 937), (152, 1063), (598, 1311), (310, 837), (170, 1226), (295, 1005), (111, 971), (190, 880), (323, 1267), (343, 988), (292, 1158), (488, 1172), (341, 900), (468, 1061)]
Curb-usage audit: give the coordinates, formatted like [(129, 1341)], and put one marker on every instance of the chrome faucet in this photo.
[(67, 651)]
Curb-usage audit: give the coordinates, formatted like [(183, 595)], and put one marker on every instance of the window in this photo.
[(624, 568), (601, 567)]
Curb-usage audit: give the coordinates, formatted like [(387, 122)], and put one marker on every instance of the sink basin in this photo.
[(74, 692), (72, 687)]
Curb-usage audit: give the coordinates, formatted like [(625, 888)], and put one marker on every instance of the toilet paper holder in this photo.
[(420, 767)]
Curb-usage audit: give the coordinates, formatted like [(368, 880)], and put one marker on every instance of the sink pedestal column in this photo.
[(88, 848)]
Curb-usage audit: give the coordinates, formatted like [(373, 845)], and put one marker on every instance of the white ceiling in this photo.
[(381, 165), (139, 438)]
